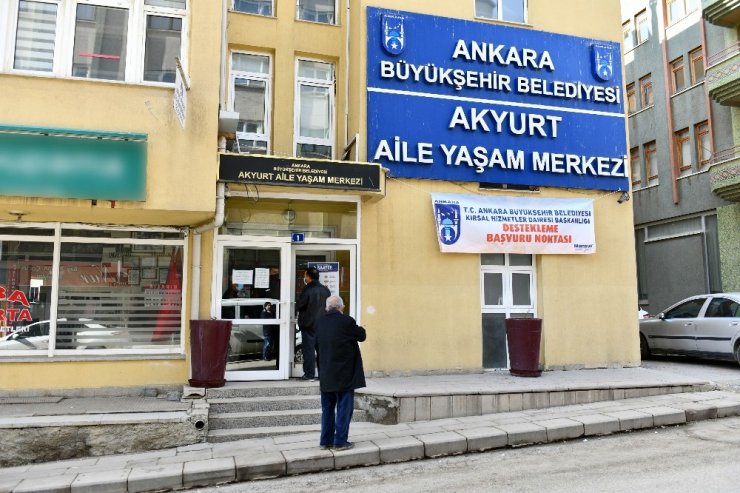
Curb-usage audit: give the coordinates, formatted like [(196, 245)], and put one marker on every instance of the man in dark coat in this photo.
[(340, 361), (311, 305)]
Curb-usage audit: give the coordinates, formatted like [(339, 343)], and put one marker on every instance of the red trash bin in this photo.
[(209, 348), (523, 336)]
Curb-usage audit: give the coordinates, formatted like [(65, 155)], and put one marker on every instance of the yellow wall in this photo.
[(422, 308), (286, 39), (177, 158), (179, 161)]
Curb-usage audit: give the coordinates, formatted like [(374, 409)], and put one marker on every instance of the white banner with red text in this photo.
[(488, 224)]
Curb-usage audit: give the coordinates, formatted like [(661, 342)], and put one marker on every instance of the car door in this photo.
[(676, 331), (717, 328)]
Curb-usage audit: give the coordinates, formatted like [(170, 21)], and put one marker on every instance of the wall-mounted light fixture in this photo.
[(18, 214), (623, 198)]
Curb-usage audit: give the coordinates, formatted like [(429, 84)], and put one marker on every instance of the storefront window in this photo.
[(25, 295), (120, 293), (119, 296), (268, 217)]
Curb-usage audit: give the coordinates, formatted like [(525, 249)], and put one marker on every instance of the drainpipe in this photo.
[(707, 99), (215, 223), (667, 84), (346, 75)]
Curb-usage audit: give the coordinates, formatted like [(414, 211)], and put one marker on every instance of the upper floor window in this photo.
[(678, 75), (250, 97), (314, 126), (703, 143), (635, 166), (98, 39), (631, 99), (323, 11), (628, 33), (259, 7), (502, 10), (683, 150), (646, 91), (642, 27), (678, 9), (696, 59), (650, 154)]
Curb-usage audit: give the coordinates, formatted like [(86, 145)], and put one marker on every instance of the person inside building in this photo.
[(310, 306), (270, 342), (337, 337)]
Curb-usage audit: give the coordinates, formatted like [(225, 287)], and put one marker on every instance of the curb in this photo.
[(418, 444)]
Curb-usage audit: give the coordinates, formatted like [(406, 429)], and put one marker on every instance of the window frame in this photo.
[(650, 150), (525, 6), (137, 12), (257, 76), (336, 14), (631, 98), (638, 40), (700, 130), (695, 55), (682, 14), (628, 36), (272, 9), (677, 66), (635, 166), (682, 138), (646, 84), (57, 239), (306, 81)]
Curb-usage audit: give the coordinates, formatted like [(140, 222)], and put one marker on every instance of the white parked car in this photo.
[(706, 326), (83, 333)]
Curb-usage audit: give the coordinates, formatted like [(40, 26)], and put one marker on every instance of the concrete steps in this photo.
[(264, 409)]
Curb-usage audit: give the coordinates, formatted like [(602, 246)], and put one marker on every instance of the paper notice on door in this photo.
[(245, 277), (262, 278)]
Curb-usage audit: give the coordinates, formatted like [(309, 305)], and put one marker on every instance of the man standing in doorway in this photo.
[(340, 361), (310, 305)]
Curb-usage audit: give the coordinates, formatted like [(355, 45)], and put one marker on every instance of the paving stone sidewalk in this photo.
[(210, 464)]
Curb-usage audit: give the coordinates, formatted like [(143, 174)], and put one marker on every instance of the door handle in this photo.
[(688, 324)]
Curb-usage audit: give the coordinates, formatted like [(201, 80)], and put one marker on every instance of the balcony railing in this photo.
[(723, 55), (725, 173), (723, 75)]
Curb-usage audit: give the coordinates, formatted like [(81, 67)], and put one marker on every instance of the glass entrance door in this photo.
[(337, 271), (254, 282)]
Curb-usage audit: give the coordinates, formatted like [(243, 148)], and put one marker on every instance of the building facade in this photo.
[(440, 180), (680, 139)]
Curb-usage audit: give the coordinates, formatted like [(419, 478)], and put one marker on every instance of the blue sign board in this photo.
[(298, 237), (458, 100)]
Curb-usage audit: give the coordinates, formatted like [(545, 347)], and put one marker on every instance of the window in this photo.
[(628, 35), (631, 99), (678, 9), (502, 10), (703, 143), (317, 11), (315, 110), (651, 163), (250, 97), (112, 291), (35, 39), (678, 76), (508, 290), (99, 39), (642, 27), (259, 7), (723, 308), (690, 309), (646, 91), (696, 59), (683, 149), (635, 166)]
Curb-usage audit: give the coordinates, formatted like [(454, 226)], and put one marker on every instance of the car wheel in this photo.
[(737, 352), (299, 355), (644, 348)]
